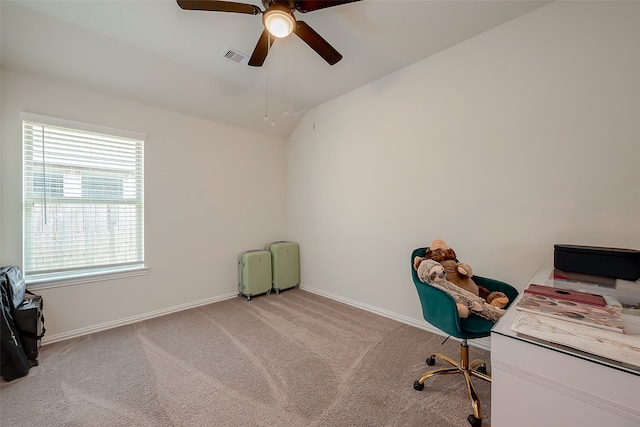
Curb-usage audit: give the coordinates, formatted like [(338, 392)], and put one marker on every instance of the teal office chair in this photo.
[(439, 309)]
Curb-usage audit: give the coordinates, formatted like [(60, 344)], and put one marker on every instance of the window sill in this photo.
[(36, 283)]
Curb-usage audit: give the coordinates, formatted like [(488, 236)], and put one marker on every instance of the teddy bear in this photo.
[(460, 273), (440, 251), (432, 272)]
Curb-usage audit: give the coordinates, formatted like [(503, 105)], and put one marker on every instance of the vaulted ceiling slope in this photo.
[(154, 52)]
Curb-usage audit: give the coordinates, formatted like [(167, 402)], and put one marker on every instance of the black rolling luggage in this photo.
[(29, 322)]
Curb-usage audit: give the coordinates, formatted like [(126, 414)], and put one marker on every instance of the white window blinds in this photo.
[(83, 197)]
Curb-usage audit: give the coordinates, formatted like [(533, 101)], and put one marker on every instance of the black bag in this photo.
[(13, 360), (29, 321)]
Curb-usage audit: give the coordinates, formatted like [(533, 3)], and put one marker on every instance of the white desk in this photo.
[(537, 383)]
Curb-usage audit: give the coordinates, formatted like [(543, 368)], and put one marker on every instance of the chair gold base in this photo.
[(465, 368)]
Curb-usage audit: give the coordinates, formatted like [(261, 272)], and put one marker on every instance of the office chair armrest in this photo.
[(497, 286)]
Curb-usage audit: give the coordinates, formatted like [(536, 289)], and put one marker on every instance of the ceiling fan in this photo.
[(278, 21)]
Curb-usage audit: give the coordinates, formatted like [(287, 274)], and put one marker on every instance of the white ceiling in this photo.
[(154, 52)]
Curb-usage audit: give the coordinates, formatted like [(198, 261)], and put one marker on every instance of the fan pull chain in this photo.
[(268, 101), (266, 91), (273, 123), (287, 78)]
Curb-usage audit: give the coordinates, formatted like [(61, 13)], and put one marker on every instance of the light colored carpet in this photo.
[(293, 359)]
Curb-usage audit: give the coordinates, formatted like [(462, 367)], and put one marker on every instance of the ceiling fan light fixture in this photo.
[(279, 22)]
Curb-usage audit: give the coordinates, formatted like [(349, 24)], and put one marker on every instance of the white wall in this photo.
[(522, 137), (211, 191), (537, 121)]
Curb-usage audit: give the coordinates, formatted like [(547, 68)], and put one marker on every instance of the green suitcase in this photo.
[(285, 265), (254, 273)]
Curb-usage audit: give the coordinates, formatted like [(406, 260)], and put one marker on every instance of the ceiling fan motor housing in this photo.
[(279, 20)]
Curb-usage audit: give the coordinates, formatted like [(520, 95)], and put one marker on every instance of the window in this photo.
[(83, 198)]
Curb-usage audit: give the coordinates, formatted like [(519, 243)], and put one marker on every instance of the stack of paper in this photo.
[(577, 320), (571, 311), (601, 342)]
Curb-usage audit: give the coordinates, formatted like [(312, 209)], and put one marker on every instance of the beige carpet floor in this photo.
[(293, 359)]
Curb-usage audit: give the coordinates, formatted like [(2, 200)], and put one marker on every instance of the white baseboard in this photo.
[(133, 319), (483, 343)]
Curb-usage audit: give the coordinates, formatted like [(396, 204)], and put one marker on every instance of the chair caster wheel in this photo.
[(482, 369), (418, 386), (431, 360), (473, 421)]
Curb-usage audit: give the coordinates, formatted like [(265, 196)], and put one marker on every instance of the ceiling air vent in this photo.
[(235, 56)]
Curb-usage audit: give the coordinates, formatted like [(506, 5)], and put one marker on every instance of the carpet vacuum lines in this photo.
[(88, 410), (216, 404), (257, 364)]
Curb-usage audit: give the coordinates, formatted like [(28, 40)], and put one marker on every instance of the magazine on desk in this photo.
[(566, 294), (600, 342), (571, 311)]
